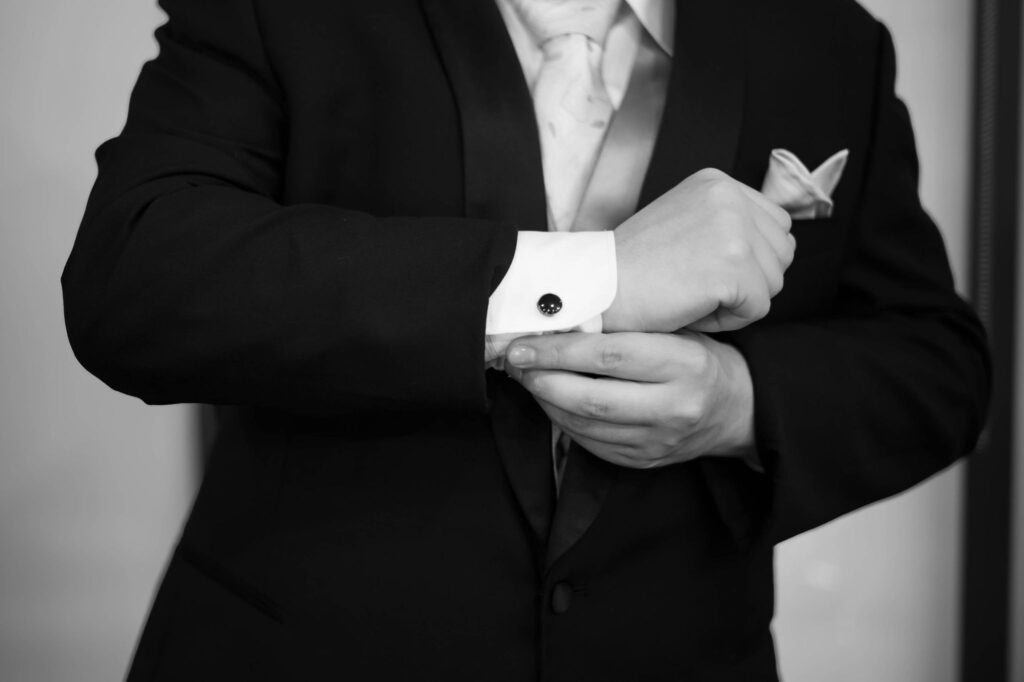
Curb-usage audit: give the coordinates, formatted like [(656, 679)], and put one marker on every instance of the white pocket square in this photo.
[(804, 194)]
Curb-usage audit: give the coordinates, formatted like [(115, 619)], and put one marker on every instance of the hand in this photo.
[(657, 399), (708, 254)]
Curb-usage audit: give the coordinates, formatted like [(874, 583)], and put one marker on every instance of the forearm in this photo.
[(183, 288), (850, 411), (886, 381), (197, 277)]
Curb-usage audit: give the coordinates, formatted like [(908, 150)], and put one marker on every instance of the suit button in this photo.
[(549, 304), (561, 598)]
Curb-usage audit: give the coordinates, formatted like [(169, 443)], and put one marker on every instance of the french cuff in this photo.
[(558, 281)]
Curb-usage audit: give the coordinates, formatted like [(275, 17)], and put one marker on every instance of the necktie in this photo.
[(573, 111), (572, 106)]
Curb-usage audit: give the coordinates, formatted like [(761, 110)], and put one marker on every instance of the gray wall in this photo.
[(93, 485)]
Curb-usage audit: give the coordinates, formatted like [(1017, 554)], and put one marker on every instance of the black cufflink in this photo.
[(549, 304)]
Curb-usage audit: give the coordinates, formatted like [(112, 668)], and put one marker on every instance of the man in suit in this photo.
[(321, 217)]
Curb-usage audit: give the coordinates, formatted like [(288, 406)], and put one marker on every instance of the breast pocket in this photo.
[(812, 279), (816, 236)]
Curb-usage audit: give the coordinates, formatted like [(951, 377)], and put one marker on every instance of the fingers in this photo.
[(772, 249), (625, 446), (781, 242), (720, 320), (743, 300), (620, 455), (621, 435), (774, 224), (726, 319), (766, 271), (608, 400), (776, 212), (620, 444), (633, 356)]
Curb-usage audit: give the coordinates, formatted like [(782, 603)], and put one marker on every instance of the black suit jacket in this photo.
[(302, 222)]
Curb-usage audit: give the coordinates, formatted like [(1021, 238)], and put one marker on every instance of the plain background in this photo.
[(94, 485)]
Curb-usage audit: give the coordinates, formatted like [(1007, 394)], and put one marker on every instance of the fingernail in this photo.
[(522, 356)]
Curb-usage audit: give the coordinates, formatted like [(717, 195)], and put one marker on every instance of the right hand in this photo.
[(708, 255)]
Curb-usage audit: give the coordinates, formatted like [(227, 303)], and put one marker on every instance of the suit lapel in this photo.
[(703, 110), (522, 435), (699, 129), (503, 182), (585, 486), (501, 151)]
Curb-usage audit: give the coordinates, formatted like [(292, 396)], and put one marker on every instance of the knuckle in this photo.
[(723, 290), (688, 413), (736, 249), (552, 355), (610, 356), (722, 190), (710, 174), (700, 360), (594, 408)]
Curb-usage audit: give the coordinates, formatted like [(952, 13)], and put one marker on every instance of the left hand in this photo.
[(656, 399)]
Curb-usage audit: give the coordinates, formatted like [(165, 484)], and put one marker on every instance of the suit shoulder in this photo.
[(834, 19), (813, 38)]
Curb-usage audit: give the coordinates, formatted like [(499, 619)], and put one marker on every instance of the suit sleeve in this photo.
[(893, 385), (189, 281)]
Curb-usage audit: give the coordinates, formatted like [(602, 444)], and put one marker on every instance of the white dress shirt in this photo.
[(579, 266)]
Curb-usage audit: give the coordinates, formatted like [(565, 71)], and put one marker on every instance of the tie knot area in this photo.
[(575, 46), (550, 19)]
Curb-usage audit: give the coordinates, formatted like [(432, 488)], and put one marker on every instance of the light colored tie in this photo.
[(569, 97), (573, 113)]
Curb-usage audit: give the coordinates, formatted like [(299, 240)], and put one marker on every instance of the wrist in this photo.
[(615, 318), (621, 315), (737, 409)]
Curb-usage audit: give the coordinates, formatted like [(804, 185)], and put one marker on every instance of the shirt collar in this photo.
[(658, 19)]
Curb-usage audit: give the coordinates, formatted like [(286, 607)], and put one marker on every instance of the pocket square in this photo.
[(804, 194)]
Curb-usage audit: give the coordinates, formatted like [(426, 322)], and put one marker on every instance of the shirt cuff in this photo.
[(576, 267)]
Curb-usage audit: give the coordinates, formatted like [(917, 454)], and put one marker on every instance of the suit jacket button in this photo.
[(549, 304), (561, 598)]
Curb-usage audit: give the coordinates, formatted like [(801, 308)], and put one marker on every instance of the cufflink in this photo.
[(549, 304)]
